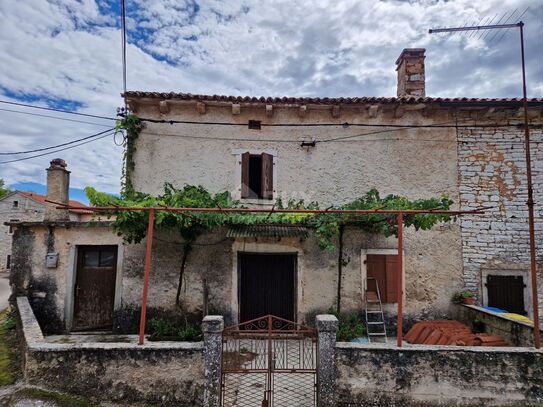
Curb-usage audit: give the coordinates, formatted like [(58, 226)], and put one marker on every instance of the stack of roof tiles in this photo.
[(446, 332)]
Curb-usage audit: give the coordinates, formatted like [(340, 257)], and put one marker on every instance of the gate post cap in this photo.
[(327, 323), (213, 324)]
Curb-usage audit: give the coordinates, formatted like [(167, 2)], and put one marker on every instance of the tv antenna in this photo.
[(530, 202)]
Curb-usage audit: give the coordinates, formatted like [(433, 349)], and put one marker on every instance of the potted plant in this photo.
[(464, 297)]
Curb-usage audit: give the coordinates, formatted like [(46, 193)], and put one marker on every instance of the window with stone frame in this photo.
[(256, 176)]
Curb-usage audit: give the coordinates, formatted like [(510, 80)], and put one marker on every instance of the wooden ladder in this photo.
[(375, 319)]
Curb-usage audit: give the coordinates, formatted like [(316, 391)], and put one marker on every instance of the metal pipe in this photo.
[(148, 253), (261, 210), (530, 202), (399, 334)]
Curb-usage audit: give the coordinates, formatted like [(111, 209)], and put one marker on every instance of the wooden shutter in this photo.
[(392, 278), (267, 176), (245, 175), (376, 268), (384, 268)]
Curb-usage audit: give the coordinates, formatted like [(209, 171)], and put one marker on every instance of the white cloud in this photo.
[(71, 50)]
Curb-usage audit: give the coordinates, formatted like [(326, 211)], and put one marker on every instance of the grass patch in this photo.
[(59, 398), (7, 328)]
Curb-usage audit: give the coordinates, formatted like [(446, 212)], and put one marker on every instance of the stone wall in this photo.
[(166, 374), (492, 173), (383, 375), (26, 210), (517, 333)]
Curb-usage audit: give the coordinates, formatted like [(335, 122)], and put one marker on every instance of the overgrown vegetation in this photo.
[(133, 224), (167, 330), (132, 126), (7, 327), (3, 189), (350, 326)]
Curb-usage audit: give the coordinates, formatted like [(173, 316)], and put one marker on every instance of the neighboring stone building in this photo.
[(22, 206), (419, 147)]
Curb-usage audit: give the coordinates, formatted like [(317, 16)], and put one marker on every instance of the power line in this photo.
[(59, 145), (56, 110), (345, 124), (123, 46), (53, 117), (56, 151)]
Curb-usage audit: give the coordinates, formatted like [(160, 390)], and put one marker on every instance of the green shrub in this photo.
[(350, 326), (167, 330)]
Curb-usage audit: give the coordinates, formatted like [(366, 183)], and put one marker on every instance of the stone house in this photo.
[(330, 150), (22, 206)]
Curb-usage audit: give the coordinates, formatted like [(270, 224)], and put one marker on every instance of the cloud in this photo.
[(67, 54)]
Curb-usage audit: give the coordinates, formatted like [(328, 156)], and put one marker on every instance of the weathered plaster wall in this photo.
[(492, 173), (331, 172), (50, 290), (380, 375)]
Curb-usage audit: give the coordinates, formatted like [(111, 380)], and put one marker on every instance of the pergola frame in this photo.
[(399, 218)]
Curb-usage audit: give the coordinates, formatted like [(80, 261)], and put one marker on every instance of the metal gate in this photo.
[(269, 362)]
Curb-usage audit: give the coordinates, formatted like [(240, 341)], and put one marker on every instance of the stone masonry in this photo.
[(492, 174)]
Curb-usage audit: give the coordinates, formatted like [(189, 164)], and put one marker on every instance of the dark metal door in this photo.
[(506, 292), (95, 287), (267, 285), (269, 362)]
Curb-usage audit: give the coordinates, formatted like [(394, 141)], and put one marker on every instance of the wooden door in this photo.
[(94, 294), (267, 285)]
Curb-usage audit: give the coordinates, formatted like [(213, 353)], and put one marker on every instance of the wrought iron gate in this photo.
[(269, 362)]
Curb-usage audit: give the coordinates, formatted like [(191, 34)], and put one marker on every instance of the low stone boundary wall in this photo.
[(383, 375), (165, 373), (518, 333)]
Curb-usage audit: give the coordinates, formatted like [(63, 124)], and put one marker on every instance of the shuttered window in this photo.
[(256, 176), (384, 269)]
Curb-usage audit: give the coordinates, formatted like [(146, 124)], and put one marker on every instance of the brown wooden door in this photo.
[(267, 285), (94, 294), (384, 269)]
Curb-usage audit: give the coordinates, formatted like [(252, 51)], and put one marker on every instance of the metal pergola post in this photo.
[(400, 281)]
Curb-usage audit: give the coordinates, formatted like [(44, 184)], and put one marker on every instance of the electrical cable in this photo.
[(56, 151), (58, 145), (345, 124), (56, 110), (53, 117), (123, 46)]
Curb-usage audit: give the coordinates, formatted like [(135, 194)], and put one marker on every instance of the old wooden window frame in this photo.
[(239, 192)]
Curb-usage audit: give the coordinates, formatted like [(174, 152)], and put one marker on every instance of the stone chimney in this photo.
[(58, 184), (410, 69)]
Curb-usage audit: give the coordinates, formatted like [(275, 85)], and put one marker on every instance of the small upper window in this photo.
[(256, 176), (8, 261), (15, 204)]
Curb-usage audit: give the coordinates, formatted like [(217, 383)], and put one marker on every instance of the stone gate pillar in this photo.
[(327, 327), (212, 327)]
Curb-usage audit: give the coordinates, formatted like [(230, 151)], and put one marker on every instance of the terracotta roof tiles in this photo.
[(324, 100)]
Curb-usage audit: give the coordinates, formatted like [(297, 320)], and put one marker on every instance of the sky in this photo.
[(66, 54)]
